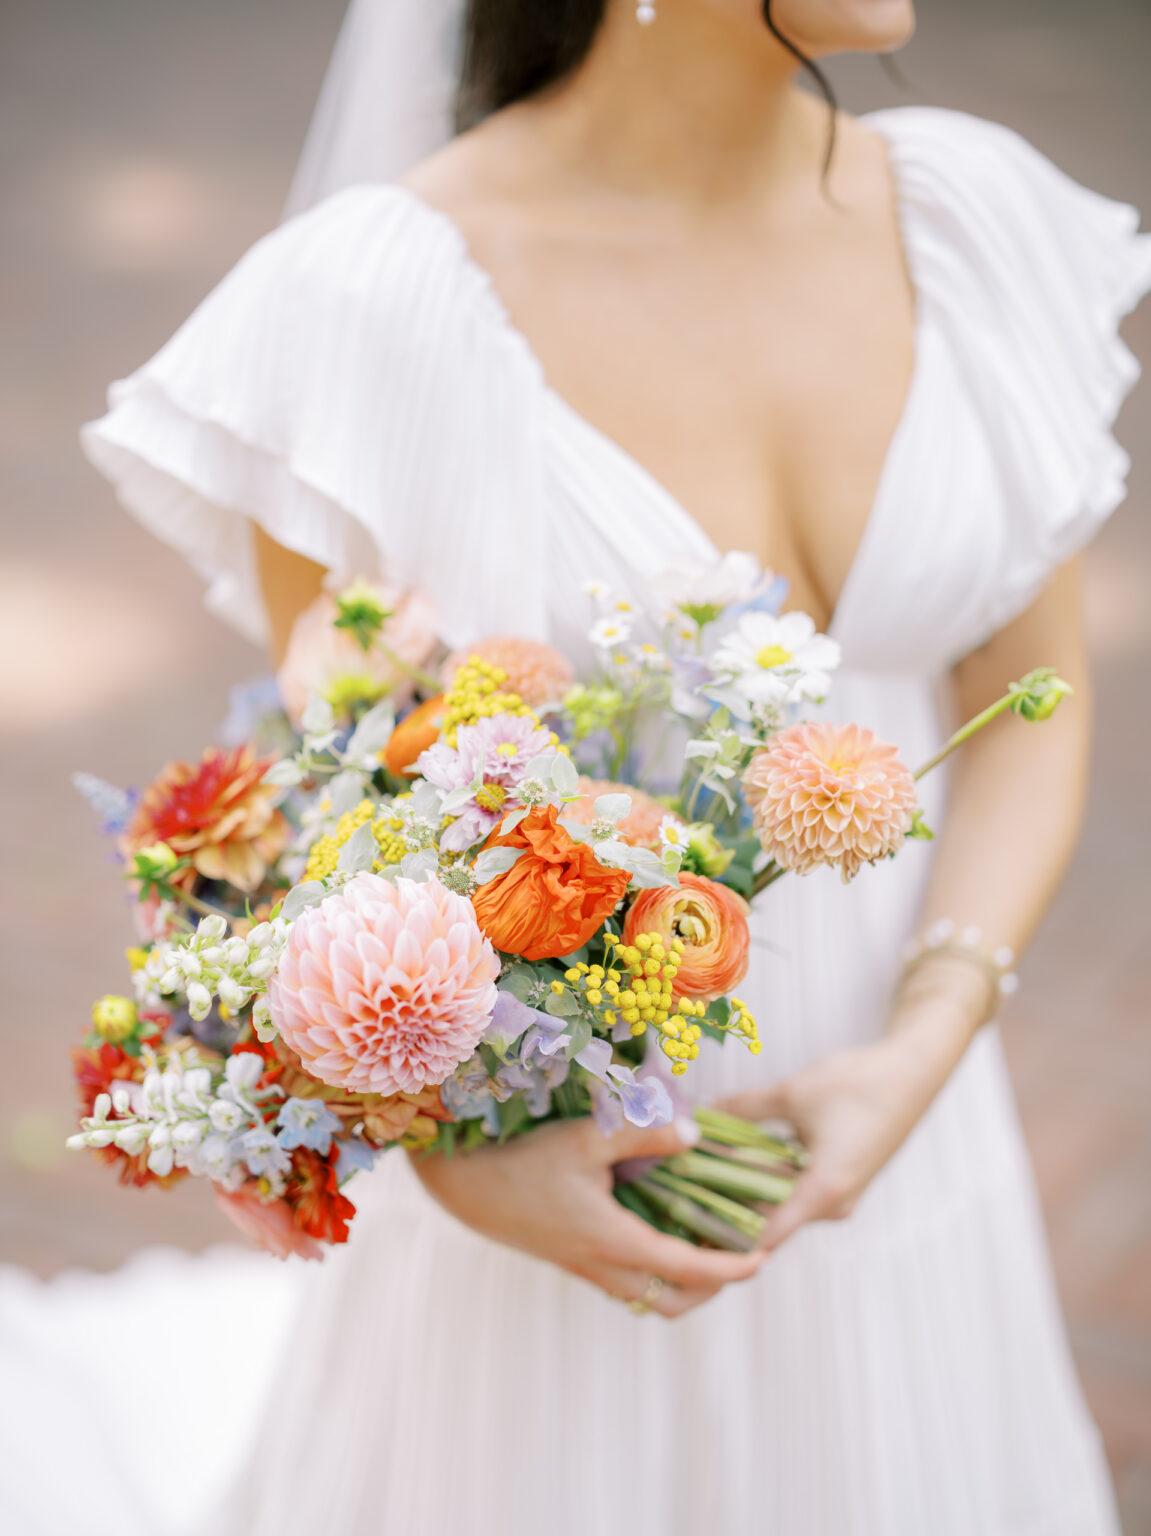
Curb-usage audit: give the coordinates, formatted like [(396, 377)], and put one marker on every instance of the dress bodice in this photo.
[(356, 385)]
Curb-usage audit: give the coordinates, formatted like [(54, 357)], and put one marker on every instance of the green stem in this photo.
[(427, 680), (965, 733), (767, 877), (738, 1181), (693, 1218), (745, 1221), (194, 904), (717, 1125)]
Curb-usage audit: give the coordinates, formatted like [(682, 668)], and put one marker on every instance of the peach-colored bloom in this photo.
[(269, 1224), (218, 813), (641, 824), (829, 794), (710, 919), (385, 986), (537, 672), (413, 1118), (331, 662)]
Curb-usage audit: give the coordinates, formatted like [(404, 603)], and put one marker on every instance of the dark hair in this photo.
[(514, 48)]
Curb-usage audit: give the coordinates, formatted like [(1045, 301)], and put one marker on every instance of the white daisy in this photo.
[(610, 632), (771, 661)]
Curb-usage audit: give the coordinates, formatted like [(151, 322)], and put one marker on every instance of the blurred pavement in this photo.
[(143, 145)]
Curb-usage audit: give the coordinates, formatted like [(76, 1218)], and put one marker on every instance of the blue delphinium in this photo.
[(306, 1123)]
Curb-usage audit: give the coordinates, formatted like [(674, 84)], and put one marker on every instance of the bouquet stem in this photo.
[(716, 1194)]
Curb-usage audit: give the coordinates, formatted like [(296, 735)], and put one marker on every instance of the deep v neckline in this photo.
[(653, 486)]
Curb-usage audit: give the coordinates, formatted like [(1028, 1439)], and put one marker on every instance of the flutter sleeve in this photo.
[(1030, 274), (348, 388)]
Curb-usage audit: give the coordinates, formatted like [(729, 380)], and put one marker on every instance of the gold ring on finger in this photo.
[(651, 1293)]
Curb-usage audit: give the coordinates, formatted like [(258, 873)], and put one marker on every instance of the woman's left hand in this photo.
[(852, 1111)]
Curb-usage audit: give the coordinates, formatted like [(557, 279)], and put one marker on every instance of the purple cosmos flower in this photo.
[(492, 756)]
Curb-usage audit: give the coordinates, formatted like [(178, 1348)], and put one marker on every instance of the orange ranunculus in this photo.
[(554, 897), (414, 734), (710, 919)]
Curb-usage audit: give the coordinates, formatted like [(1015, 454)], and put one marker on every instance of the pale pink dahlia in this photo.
[(829, 794), (331, 662), (386, 986), (537, 672)]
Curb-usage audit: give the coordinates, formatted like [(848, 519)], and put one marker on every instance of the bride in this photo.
[(655, 304)]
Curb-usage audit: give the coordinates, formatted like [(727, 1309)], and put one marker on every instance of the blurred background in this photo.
[(143, 145)]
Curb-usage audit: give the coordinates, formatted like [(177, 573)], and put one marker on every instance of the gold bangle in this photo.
[(944, 940)]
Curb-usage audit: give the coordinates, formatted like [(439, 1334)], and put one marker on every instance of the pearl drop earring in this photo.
[(645, 12)]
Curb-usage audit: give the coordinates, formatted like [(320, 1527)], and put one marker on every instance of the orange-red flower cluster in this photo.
[(217, 813)]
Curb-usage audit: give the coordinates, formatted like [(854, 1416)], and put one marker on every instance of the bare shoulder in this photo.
[(861, 176), (480, 174)]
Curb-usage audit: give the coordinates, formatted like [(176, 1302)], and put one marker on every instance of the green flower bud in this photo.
[(360, 610), (704, 854), (157, 859), (1037, 696)]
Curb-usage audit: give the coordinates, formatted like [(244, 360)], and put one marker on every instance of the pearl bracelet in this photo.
[(946, 938)]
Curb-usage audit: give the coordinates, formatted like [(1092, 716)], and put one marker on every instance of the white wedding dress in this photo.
[(355, 386)]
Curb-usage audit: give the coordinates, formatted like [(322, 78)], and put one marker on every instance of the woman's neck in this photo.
[(700, 107)]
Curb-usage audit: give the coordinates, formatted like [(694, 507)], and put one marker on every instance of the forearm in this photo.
[(1013, 819)]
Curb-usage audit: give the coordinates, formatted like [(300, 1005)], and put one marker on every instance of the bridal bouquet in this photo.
[(475, 892)]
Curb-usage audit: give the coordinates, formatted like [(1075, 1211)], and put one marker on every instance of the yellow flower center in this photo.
[(490, 797), (773, 656), (507, 749)]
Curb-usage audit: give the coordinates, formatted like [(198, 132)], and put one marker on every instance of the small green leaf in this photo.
[(561, 1005)]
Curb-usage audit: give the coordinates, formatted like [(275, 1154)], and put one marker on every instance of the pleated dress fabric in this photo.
[(355, 387)]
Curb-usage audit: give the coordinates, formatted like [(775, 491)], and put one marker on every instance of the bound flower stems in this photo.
[(716, 1193)]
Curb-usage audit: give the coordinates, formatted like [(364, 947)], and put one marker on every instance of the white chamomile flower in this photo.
[(610, 632), (769, 661), (673, 834), (598, 591), (651, 658)]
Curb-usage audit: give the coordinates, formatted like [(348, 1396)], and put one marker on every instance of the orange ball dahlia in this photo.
[(414, 734), (553, 898), (709, 919), (218, 813), (536, 672), (829, 794), (641, 824), (385, 986)]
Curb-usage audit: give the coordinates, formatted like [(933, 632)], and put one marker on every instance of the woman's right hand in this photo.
[(549, 1194)]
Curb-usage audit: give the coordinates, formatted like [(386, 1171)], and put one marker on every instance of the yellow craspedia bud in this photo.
[(558, 987), (643, 941), (114, 1018), (571, 975), (608, 1016), (594, 996), (630, 1015)]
